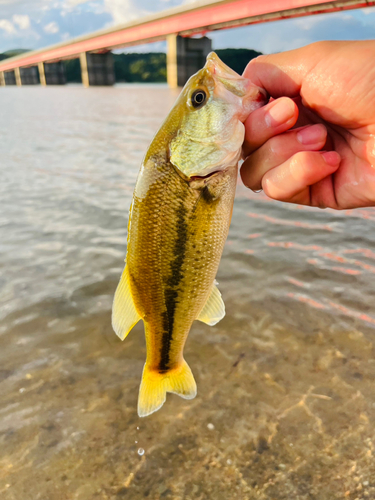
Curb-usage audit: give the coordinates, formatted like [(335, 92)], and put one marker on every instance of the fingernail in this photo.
[(331, 158), (311, 134), (282, 111)]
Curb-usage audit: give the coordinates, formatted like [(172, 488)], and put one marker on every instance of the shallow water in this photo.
[(286, 382)]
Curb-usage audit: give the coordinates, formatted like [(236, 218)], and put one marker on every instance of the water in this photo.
[(286, 391)]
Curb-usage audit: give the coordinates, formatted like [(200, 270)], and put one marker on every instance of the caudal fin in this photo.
[(155, 385)]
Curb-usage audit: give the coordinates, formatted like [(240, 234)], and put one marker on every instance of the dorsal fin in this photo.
[(214, 309), (124, 313)]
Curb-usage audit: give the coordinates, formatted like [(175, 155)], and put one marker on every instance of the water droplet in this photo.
[(141, 451), (210, 427), (22, 390)]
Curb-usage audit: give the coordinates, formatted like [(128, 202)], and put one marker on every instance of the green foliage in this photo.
[(15, 52), (237, 59), (151, 67), (147, 67), (12, 53), (73, 71)]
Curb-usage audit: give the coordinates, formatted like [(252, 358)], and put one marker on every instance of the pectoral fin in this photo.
[(124, 313), (214, 309)]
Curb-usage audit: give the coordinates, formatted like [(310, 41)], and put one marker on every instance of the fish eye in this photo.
[(198, 98)]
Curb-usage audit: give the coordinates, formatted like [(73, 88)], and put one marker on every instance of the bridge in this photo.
[(179, 26)]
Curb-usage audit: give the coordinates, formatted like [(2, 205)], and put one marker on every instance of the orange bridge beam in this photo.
[(198, 17)]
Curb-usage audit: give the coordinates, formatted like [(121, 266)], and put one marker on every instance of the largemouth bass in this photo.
[(178, 223)]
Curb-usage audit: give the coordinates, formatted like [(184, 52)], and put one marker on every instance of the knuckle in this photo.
[(320, 47), (250, 65), (258, 59)]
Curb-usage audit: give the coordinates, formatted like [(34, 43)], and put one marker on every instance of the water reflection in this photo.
[(286, 398)]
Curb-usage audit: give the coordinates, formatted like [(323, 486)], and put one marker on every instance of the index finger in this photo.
[(283, 73), (274, 118)]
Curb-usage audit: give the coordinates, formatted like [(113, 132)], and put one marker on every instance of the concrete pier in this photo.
[(42, 75), (10, 77), (17, 75), (52, 73), (97, 69), (185, 56)]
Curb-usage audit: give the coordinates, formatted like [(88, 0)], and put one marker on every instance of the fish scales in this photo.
[(179, 221), (174, 257)]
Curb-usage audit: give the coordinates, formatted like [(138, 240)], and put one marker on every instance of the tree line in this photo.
[(148, 67)]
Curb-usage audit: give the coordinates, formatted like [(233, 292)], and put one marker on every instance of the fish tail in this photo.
[(155, 385)]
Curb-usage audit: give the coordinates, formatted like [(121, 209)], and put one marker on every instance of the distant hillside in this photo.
[(12, 53), (237, 59), (133, 67), (147, 67)]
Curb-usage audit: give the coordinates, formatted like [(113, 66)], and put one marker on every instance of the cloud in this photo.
[(293, 33), (39, 23), (123, 11), (23, 22), (368, 10), (51, 28), (7, 26), (73, 3)]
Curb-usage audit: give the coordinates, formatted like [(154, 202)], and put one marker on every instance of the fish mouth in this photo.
[(234, 83), (219, 68)]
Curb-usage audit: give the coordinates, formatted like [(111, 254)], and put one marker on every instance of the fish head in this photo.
[(211, 110)]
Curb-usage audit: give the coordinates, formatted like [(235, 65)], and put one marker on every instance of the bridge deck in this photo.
[(198, 17)]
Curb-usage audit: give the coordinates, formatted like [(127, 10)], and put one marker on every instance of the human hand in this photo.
[(314, 143)]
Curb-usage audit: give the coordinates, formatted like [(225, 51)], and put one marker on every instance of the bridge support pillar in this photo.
[(17, 75), (185, 56), (52, 73), (2, 79), (97, 69), (10, 77), (42, 75), (28, 76)]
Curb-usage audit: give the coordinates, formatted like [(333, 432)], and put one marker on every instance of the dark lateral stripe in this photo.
[(172, 286)]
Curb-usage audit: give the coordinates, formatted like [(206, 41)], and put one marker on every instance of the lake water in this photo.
[(286, 382)]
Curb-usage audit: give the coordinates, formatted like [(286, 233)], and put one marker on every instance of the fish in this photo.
[(178, 223)]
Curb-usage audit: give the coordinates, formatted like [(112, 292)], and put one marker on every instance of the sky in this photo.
[(33, 24)]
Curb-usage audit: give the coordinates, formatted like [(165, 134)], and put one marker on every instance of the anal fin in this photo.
[(124, 313), (214, 309)]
